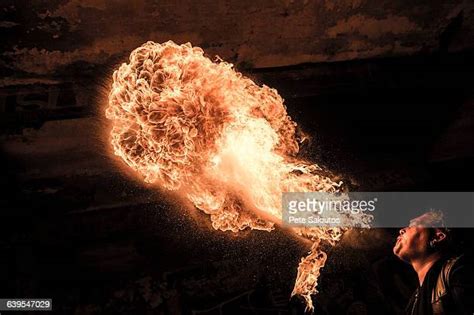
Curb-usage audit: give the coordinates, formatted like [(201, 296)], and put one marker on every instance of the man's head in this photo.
[(425, 236)]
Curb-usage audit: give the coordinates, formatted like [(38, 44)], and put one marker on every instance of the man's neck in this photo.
[(422, 266)]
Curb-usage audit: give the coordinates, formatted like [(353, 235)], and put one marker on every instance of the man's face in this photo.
[(412, 242)]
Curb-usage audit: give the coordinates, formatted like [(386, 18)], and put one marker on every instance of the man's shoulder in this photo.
[(454, 287), (459, 270), (453, 273)]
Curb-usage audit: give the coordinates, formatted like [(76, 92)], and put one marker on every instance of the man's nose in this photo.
[(402, 231)]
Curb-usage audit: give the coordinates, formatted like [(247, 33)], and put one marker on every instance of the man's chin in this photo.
[(396, 250)]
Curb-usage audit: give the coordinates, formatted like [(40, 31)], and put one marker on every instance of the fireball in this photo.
[(203, 130)]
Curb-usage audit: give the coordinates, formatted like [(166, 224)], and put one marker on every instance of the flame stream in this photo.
[(210, 134)]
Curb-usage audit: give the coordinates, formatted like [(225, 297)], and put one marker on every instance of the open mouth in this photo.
[(398, 240)]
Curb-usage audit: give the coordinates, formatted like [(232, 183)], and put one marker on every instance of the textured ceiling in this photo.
[(45, 38)]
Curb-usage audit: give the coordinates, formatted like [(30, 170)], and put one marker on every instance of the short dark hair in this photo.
[(451, 245)]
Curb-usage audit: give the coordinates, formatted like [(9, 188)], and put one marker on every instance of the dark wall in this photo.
[(44, 39)]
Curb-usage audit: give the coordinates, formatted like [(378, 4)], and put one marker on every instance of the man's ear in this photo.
[(439, 236)]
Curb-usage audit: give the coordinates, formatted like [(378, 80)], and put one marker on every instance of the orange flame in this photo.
[(207, 132)]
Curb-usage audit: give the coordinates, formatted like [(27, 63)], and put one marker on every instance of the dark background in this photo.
[(384, 88)]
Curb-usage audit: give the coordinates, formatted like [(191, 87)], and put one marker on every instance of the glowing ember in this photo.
[(204, 130)]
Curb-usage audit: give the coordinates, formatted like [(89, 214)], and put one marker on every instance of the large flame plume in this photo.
[(212, 135)]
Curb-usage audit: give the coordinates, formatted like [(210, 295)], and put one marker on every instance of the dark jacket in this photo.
[(448, 289)]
